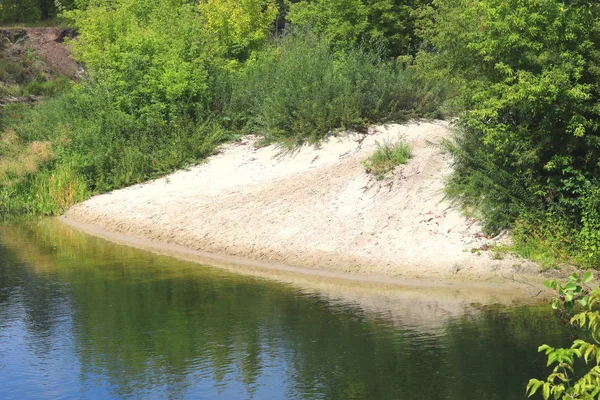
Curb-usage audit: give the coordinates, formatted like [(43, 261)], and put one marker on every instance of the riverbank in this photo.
[(406, 301), (315, 208)]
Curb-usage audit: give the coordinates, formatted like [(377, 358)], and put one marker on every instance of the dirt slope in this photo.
[(49, 44), (314, 208)]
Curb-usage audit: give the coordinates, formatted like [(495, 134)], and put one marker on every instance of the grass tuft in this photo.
[(387, 156)]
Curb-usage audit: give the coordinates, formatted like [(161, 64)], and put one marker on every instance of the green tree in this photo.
[(529, 143), (19, 11), (237, 27), (149, 55), (348, 22)]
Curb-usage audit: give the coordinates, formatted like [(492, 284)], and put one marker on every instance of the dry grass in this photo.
[(66, 188), (18, 159)]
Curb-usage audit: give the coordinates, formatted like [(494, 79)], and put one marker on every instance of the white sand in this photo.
[(315, 208)]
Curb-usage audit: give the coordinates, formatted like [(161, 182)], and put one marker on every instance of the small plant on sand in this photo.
[(387, 156)]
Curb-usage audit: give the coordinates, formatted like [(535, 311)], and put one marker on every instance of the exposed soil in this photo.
[(315, 208), (48, 44)]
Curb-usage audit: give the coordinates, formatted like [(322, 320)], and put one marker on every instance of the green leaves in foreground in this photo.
[(565, 382), (571, 292)]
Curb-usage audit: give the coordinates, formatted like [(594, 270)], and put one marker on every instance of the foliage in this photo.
[(92, 147), (543, 240), (237, 27), (529, 141), (347, 23), (386, 157), (565, 382), (341, 21), (19, 11), (588, 238), (148, 55), (299, 90)]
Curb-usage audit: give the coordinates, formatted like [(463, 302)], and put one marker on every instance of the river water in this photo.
[(84, 318)]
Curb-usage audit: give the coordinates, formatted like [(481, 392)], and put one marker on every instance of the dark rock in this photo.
[(12, 35), (67, 33)]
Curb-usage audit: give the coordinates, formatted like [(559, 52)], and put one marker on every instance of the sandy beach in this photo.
[(315, 209)]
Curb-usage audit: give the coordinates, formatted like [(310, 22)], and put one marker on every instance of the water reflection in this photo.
[(80, 317)]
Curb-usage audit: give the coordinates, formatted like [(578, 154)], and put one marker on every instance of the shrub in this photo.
[(387, 157), (94, 147), (347, 23), (236, 28), (19, 11), (529, 141), (148, 55), (299, 90)]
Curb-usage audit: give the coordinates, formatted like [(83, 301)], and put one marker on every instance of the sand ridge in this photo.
[(315, 207)]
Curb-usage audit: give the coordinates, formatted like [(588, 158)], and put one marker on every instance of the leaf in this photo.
[(568, 296), (533, 386), (588, 351), (588, 276), (545, 348), (546, 391), (558, 390), (550, 284)]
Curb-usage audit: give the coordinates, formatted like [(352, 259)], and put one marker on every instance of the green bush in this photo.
[(150, 56), (348, 23), (529, 142), (300, 90), (544, 239), (96, 147), (576, 369), (20, 11), (33, 11)]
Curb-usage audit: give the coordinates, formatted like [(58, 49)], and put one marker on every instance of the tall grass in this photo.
[(386, 157), (299, 90), (94, 148)]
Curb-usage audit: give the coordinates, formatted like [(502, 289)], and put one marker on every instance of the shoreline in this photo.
[(401, 301), (502, 290), (314, 212)]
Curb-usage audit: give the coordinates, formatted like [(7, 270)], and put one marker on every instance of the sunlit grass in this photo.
[(387, 157)]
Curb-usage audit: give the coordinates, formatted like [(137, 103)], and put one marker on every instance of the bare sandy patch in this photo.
[(314, 208)]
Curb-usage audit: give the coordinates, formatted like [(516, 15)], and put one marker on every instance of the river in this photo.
[(84, 318)]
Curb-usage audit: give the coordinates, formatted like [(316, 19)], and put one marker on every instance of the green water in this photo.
[(83, 318)]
